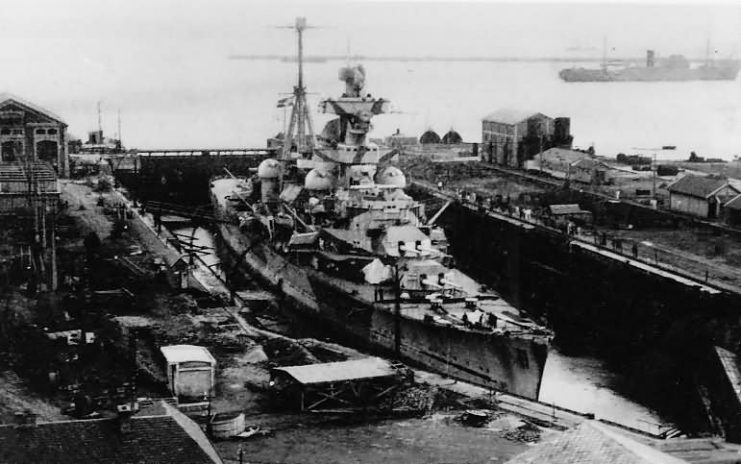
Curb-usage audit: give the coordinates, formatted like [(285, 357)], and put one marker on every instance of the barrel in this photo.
[(227, 424)]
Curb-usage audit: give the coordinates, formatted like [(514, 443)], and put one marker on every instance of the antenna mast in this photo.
[(120, 140), (100, 122), (300, 130)]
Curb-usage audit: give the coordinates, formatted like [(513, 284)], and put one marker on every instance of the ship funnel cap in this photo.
[(319, 180), (269, 169), (392, 176)]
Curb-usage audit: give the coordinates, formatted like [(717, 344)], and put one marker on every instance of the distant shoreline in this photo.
[(467, 59)]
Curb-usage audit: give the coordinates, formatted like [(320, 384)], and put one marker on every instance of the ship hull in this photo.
[(493, 360), (649, 75)]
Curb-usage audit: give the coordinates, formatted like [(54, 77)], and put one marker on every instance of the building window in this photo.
[(40, 131), (17, 131), (52, 132), (5, 131)]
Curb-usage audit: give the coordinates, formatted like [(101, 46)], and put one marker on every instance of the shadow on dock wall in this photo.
[(654, 330)]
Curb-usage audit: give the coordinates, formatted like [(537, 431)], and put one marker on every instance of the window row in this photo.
[(8, 131)]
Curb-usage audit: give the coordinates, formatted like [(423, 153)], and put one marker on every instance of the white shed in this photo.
[(190, 370)]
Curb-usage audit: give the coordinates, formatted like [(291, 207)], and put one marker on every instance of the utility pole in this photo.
[(100, 122), (654, 166), (397, 311), (653, 175), (120, 140)]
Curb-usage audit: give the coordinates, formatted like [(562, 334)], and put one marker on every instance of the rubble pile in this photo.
[(526, 433), (286, 352)]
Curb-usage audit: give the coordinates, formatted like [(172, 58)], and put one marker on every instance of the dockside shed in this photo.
[(702, 196)]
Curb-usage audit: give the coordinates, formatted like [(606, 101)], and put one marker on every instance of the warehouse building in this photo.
[(511, 137), (702, 196), (573, 165), (29, 133)]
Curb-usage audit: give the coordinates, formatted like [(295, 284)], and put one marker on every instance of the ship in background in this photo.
[(673, 68), (327, 223)]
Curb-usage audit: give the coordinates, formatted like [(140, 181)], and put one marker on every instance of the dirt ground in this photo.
[(437, 438)]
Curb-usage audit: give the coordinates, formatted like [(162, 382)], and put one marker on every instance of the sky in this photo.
[(69, 54)]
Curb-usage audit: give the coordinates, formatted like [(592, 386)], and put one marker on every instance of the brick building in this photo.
[(511, 137), (31, 133)]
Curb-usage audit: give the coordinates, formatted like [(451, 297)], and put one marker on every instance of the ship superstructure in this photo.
[(674, 68), (332, 228)]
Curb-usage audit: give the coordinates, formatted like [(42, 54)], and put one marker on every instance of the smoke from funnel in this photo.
[(354, 78)]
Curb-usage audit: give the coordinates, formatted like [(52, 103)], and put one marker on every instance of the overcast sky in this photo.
[(67, 54), (86, 31)]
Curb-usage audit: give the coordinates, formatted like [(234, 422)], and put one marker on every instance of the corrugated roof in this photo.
[(19, 172), (510, 116), (355, 369), (168, 438), (698, 186), (187, 353), (593, 443)]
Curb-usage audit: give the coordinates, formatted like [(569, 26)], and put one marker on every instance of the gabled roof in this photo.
[(593, 443), (699, 186), (734, 203), (511, 116), (167, 438), (7, 98)]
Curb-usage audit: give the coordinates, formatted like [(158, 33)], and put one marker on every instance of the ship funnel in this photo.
[(391, 176), (269, 173), (354, 77)]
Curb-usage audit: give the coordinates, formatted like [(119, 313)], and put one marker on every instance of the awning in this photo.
[(355, 369)]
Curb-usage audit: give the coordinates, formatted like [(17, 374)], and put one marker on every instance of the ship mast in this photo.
[(300, 129)]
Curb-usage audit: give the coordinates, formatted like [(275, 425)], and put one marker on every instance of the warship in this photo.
[(674, 68), (327, 223)]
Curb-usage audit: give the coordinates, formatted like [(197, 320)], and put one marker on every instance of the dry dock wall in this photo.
[(651, 327)]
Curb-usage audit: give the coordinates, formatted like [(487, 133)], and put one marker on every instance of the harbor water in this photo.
[(195, 106)]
